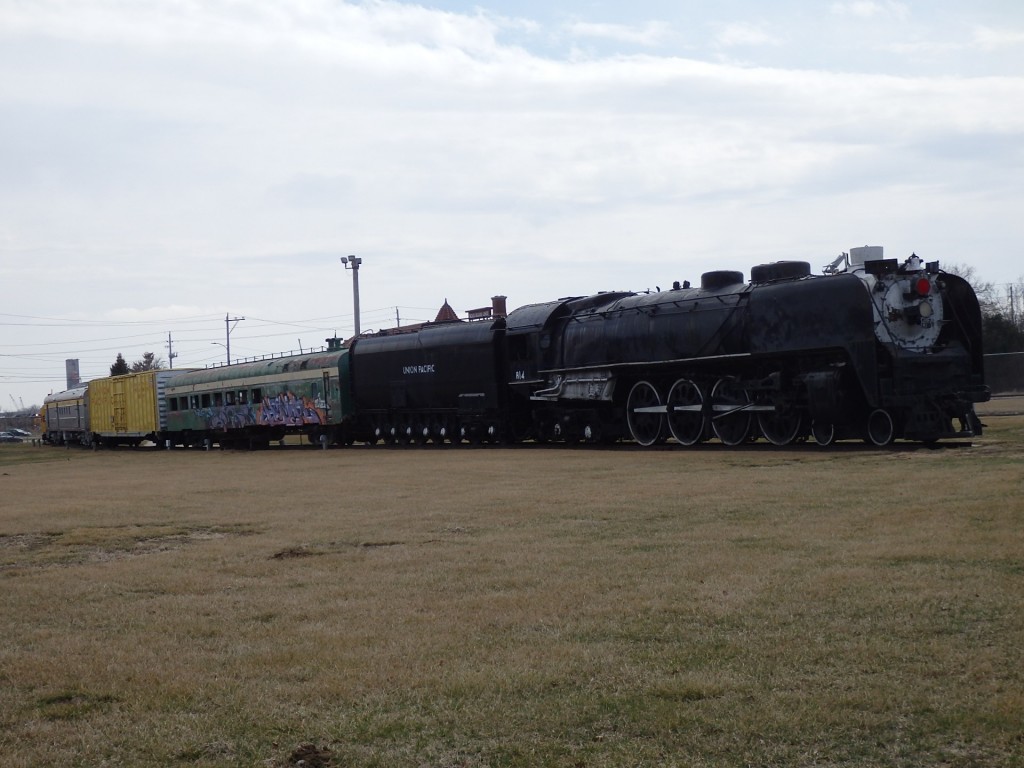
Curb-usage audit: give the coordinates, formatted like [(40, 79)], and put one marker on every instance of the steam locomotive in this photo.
[(873, 349)]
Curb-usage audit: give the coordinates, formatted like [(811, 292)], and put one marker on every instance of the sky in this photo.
[(165, 164)]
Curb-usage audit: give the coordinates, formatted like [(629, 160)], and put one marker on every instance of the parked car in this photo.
[(19, 432), (7, 437)]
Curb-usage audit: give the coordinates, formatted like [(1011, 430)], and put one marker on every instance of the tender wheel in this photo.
[(439, 434), (686, 412), (644, 413), (731, 421), (881, 429), (779, 427), (823, 432)]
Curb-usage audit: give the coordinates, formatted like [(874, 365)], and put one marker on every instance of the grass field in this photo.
[(514, 607)]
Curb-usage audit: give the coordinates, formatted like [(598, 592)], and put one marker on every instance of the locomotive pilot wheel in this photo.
[(645, 413), (731, 420), (881, 429), (686, 412)]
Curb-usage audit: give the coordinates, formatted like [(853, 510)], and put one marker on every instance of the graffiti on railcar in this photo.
[(289, 409), (285, 409)]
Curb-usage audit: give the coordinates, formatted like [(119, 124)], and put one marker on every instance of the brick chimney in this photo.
[(498, 306)]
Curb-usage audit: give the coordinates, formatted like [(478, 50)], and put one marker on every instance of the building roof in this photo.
[(446, 314)]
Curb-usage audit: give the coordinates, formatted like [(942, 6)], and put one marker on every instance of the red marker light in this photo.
[(923, 286)]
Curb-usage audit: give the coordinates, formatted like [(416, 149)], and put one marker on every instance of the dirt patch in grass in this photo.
[(72, 705), (333, 547), (310, 756), (77, 546)]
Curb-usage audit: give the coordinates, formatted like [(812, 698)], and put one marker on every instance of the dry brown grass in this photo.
[(447, 607)]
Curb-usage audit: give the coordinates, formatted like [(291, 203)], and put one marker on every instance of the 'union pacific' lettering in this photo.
[(410, 369)]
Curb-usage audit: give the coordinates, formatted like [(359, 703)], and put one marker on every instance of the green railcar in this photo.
[(254, 403)]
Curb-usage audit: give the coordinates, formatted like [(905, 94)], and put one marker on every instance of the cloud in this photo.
[(649, 34), (743, 34), (334, 30), (870, 9), (425, 120), (988, 38)]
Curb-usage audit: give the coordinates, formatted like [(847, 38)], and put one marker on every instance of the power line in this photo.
[(78, 341), (60, 322)]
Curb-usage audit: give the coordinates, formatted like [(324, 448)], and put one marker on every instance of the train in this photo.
[(872, 349)]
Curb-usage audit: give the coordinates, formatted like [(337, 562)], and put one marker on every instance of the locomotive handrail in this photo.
[(271, 356), (694, 305), (706, 358), (547, 394)]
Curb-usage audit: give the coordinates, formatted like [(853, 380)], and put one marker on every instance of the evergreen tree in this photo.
[(119, 367), (149, 362)]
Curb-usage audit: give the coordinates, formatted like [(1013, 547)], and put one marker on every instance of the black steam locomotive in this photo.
[(873, 349)]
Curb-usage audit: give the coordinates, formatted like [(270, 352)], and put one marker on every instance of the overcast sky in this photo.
[(164, 163)]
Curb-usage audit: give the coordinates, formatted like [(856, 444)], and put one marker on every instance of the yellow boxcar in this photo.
[(128, 409)]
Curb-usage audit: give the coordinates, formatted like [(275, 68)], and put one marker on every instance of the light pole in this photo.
[(226, 349), (228, 328), (355, 261)]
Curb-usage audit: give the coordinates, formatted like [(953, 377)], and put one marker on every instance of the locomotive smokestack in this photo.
[(498, 306)]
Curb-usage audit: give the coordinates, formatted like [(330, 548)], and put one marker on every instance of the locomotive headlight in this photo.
[(925, 309)]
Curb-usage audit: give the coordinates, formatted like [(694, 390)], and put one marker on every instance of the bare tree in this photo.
[(1001, 321), (1015, 302), (986, 292)]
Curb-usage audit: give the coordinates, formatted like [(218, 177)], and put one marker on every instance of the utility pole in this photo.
[(228, 328), (355, 261), (171, 354)]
